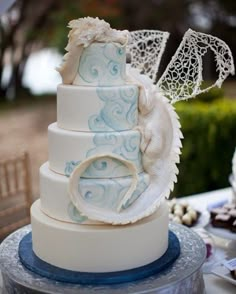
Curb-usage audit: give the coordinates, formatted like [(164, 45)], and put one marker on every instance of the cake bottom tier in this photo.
[(99, 248)]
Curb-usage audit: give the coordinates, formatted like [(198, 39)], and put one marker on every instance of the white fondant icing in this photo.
[(97, 108), (102, 64), (79, 200), (68, 148), (55, 198), (85, 31), (99, 248)]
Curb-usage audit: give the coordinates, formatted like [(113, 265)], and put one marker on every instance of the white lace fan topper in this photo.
[(85, 31), (146, 48), (182, 78)]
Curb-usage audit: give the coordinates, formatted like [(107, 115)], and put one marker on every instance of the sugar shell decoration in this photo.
[(157, 120)]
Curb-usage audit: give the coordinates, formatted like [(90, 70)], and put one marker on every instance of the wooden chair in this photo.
[(15, 194)]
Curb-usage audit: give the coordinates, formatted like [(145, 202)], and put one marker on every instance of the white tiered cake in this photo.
[(113, 151), (96, 114)]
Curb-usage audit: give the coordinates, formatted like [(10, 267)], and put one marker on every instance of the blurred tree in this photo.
[(19, 36), (216, 17), (31, 25)]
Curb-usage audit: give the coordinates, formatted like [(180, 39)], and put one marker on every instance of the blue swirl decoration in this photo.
[(107, 193), (115, 52), (141, 187), (123, 145), (70, 166), (99, 192), (120, 111), (75, 215), (102, 64)]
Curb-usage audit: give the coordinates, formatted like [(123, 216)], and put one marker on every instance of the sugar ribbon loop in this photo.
[(74, 184)]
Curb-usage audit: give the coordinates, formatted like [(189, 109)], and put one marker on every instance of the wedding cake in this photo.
[(97, 118), (112, 155)]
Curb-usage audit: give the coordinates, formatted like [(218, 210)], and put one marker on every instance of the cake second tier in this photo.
[(69, 148), (97, 109)]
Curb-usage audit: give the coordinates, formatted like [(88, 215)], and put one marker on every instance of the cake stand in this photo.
[(184, 277)]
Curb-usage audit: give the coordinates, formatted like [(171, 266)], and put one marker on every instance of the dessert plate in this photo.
[(204, 217), (223, 233), (221, 271)]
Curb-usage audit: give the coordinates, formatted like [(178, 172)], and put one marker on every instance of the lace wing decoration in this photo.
[(182, 78), (146, 49)]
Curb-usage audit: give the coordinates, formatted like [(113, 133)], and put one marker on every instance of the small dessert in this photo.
[(178, 207), (187, 220), (233, 274), (232, 213), (221, 221), (182, 213), (179, 212), (224, 217), (219, 210), (229, 206), (177, 220), (193, 214), (233, 227)]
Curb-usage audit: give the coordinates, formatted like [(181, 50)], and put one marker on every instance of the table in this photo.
[(213, 284)]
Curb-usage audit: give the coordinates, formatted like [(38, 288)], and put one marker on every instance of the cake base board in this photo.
[(38, 266), (183, 277)]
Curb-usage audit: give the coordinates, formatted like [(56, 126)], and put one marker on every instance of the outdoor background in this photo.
[(33, 35)]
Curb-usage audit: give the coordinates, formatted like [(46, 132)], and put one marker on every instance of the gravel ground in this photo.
[(25, 129)]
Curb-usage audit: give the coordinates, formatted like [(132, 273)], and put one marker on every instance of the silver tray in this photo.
[(184, 277)]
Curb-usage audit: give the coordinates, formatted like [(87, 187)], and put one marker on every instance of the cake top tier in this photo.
[(95, 54)]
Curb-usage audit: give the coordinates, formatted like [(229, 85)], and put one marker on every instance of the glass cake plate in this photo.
[(223, 233), (183, 276)]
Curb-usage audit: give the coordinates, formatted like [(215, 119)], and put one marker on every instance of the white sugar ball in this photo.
[(178, 206), (184, 203), (187, 220), (193, 214), (177, 220), (178, 212), (189, 208)]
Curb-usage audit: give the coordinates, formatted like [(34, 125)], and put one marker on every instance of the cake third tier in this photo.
[(68, 148)]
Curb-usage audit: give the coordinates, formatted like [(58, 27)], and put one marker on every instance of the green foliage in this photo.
[(213, 94), (209, 131)]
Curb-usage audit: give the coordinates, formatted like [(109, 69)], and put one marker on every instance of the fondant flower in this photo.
[(86, 30)]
